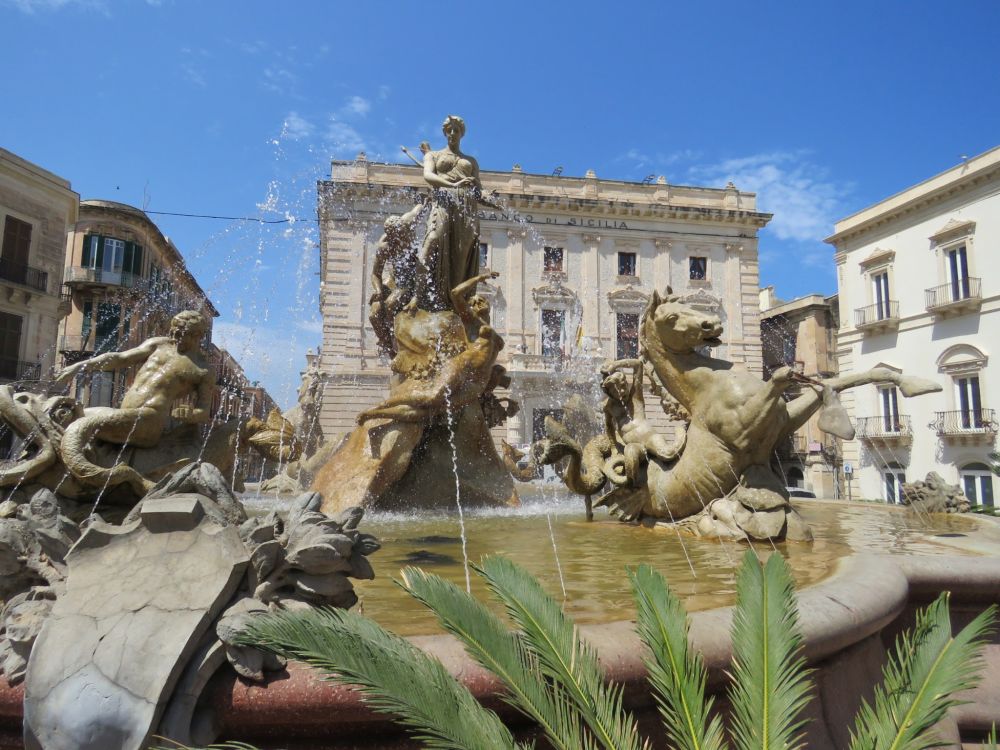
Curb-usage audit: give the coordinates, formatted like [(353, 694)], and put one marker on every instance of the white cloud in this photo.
[(383, 92), (343, 139), (310, 326), (356, 105), (295, 127), (34, 6), (278, 79), (273, 356), (804, 200)]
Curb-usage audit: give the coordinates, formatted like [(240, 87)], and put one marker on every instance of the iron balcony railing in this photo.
[(82, 275), (15, 369), (88, 344), (24, 275), (892, 427), (965, 422), (969, 289), (886, 312)]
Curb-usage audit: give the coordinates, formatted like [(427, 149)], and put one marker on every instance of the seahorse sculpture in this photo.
[(722, 483)]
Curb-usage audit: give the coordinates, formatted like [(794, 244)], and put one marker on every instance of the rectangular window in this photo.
[(107, 327), (698, 268), (626, 264), (484, 256), (627, 328), (10, 345), (553, 333), (16, 241), (969, 402), (114, 255), (538, 421), (553, 259), (880, 295), (958, 273), (133, 259), (890, 408), (894, 479)]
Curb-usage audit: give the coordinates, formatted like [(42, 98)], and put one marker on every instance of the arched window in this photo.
[(893, 476), (794, 477), (977, 483)]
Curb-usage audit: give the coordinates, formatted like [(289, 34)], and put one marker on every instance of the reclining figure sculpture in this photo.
[(121, 453), (716, 481)]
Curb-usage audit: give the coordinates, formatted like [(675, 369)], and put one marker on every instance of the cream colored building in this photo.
[(917, 295), (802, 334), (578, 259), (125, 281), (36, 210)]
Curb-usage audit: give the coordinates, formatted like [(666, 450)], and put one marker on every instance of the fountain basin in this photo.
[(850, 610)]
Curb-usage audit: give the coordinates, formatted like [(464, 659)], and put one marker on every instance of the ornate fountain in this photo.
[(438, 333), (129, 562)]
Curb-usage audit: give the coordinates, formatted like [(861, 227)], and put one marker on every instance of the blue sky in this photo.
[(235, 109)]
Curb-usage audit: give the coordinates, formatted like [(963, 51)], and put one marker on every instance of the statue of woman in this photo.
[(450, 253)]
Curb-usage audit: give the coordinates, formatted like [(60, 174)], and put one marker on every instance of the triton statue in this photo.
[(717, 480)]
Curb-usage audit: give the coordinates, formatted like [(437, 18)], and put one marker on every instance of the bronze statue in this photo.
[(171, 367), (720, 477), (450, 251)]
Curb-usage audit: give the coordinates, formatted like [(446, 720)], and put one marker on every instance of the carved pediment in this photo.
[(701, 300), (553, 293), (628, 299), (954, 229), (879, 256)]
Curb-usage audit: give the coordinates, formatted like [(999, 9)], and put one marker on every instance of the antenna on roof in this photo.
[(648, 179), (557, 171)]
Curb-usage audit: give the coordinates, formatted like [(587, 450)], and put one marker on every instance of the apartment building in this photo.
[(917, 296)]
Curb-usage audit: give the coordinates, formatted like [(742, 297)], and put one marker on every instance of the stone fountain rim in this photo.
[(864, 594)]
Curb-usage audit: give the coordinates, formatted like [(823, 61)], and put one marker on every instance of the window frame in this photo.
[(691, 268), (628, 254), (545, 259)]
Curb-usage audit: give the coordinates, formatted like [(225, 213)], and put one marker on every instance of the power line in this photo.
[(286, 220)]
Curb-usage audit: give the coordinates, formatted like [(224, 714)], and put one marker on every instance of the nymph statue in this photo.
[(450, 251)]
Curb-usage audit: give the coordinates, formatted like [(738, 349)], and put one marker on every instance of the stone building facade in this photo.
[(917, 295), (124, 280), (578, 259), (37, 208), (802, 334)]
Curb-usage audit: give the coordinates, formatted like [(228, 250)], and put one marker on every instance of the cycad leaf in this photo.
[(220, 746), (676, 672), (394, 675), (770, 683), (926, 668), (488, 640), (562, 655)]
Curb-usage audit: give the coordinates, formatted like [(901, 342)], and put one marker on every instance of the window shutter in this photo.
[(88, 240), (99, 260)]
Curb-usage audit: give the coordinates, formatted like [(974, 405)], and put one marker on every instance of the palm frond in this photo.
[(926, 668), (219, 746), (394, 675), (561, 654), (770, 683), (676, 672), (488, 640)]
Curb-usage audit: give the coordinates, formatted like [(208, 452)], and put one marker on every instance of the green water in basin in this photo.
[(593, 556)]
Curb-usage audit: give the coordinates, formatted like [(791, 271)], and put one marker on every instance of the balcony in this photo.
[(878, 317), (958, 297), (78, 275), (968, 426), (889, 430), (15, 369), (18, 273)]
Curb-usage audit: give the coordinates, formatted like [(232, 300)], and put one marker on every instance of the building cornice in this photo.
[(959, 179)]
